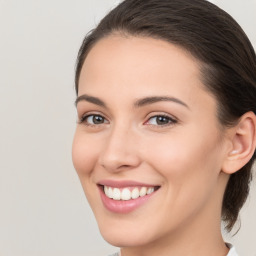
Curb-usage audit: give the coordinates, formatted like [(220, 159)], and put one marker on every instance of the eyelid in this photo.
[(81, 120), (173, 120)]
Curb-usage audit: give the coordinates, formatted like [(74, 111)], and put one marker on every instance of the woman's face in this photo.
[(148, 136)]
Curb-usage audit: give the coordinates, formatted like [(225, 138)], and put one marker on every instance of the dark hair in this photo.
[(213, 37)]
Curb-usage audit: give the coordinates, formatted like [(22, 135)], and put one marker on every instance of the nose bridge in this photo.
[(120, 149)]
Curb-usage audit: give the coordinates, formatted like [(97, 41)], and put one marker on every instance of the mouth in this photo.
[(124, 197), (127, 193)]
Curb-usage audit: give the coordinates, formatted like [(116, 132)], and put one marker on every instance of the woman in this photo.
[(166, 134)]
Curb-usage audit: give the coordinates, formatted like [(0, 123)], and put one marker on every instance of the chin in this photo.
[(122, 239), (120, 234)]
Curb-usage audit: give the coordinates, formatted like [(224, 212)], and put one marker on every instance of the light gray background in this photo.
[(42, 207)]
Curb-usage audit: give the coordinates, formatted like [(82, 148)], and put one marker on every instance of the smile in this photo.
[(125, 196), (127, 193)]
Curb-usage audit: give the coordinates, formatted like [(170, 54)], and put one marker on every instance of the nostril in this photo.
[(122, 163), (125, 166)]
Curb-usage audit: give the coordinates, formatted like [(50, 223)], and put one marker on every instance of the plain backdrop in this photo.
[(43, 210)]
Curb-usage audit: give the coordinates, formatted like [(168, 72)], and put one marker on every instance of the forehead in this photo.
[(130, 47), (142, 66), (140, 58)]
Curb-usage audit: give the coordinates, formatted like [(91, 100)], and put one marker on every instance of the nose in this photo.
[(120, 151)]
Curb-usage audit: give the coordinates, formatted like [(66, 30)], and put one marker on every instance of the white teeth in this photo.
[(150, 190), (106, 191), (116, 194), (126, 193), (109, 192), (143, 191), (135, 193)]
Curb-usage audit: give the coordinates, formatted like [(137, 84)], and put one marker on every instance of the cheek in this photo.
[(190, 172), (84, 154), (188, 159)]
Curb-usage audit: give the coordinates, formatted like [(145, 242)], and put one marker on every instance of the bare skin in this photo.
[(173, 141)]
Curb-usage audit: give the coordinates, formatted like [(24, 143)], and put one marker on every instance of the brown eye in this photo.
[(98, 119), (94, 120), (161, 120)]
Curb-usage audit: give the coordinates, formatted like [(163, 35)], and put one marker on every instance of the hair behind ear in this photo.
[(239, 164)]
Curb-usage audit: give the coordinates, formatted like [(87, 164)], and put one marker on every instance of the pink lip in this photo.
[(123, 206)]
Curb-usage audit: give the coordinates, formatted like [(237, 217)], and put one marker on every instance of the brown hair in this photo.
[(215, 39)]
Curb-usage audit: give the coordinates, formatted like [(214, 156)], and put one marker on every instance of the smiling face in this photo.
[(149, 137)]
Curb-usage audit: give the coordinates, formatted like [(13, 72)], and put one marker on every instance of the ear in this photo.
[(243, 143)]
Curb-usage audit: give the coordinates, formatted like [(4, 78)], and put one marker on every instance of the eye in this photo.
[(93, 120), (161, 120)]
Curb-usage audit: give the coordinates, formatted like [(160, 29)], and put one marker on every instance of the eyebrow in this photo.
[(90, 99), (154, 99), (138, 103)]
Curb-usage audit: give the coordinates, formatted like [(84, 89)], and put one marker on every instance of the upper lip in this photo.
[(124, 183)]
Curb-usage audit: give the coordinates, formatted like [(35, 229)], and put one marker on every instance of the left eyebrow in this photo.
[(150, 100), (90, 99)]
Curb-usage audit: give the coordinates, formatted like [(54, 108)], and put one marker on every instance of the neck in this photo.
[(198, 242)]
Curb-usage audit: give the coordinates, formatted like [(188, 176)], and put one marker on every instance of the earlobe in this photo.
[(243, 141)]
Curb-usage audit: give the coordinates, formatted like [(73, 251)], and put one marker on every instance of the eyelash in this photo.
[(85, 117), (170, 120)]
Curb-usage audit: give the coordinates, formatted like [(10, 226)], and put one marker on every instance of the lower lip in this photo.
[(123, 206)]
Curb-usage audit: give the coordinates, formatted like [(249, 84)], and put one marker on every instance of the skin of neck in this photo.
[(199, 236)]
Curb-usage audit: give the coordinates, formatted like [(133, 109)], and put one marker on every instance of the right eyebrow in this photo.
[(90, 99), (150, 100)]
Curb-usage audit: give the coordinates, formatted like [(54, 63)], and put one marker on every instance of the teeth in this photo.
[(143, 191), (116, 194), (108, 191), (150, 190), (135, 193), (126, 193)]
